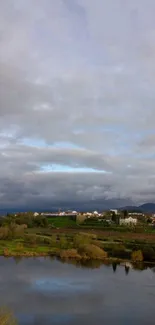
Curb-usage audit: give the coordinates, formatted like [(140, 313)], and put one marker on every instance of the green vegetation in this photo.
[(6, 317), (62, 222), (137, 256), (29, 235)]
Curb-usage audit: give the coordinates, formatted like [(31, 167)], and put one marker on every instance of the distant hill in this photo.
[(132, 208), (147, 207)]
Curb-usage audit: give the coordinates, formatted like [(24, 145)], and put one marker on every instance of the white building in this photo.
[(88, 214), (128, 221), (36, 214), (114, 210), (136, 214), (62, 214)]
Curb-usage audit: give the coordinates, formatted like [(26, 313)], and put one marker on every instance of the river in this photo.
[(41, 291)]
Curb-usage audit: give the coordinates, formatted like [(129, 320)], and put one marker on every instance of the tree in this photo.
[(114, 217), (80, 218), (125, 212), (6, 317)]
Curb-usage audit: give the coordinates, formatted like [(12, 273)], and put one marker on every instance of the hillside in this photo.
[(147, 207)]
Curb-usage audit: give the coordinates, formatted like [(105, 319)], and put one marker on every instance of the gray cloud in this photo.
[(76, 91)]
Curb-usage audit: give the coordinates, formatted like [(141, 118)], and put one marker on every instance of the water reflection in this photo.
[(114, 266), (48, 291), (127, 268), (95, 264)]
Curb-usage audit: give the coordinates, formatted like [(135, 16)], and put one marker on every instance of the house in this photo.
[(128, 221), (136, 214), (36, 214), (114, 211), (62, 213), (88, 214)]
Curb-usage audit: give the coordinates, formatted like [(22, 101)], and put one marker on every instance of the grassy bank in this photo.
[(26, 235), (78, 245)]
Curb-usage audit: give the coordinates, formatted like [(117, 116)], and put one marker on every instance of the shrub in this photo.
[(4, 233), (19, 247), (46, 240), (81, 240), (6, 252), (6, 317), (80, 218), (30, 238), (19, 230), (70, 253), (92, 251), (148, 253), (119, 251), (63, 242), (54, 240), (137, 256)]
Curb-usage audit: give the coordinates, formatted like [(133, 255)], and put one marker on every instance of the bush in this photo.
[(80, 218), (19, 230), (6, 317), (30, 238), (5, 253), (54, 241), (63, 242), (137, 256), (119, 251), (4, 233), (70, 253), (148, 253), (46, 240), (81, 240), (92, 251), (19, 247)]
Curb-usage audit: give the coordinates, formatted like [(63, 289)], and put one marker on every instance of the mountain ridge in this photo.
[(146, 207)]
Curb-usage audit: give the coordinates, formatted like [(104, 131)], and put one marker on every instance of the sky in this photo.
[(77, 103)]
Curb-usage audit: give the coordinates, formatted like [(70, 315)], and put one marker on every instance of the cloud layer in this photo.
[(77, 99)]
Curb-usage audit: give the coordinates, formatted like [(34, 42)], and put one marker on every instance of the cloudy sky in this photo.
[(77, 103)]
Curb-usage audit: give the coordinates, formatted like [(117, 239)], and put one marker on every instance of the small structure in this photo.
[(88, 215), (114, 211), (36, 214), (61, 213), (128, 221), (136, 214)]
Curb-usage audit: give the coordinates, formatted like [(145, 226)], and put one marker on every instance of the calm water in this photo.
[(42, 292)]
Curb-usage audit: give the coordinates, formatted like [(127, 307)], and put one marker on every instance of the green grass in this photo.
[(62, 222), (53, 242)]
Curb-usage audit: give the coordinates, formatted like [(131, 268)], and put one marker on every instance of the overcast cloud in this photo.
[(77, 103)]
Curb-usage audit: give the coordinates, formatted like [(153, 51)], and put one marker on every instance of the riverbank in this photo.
[(83, 252), (70, 244), (84, 262)]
